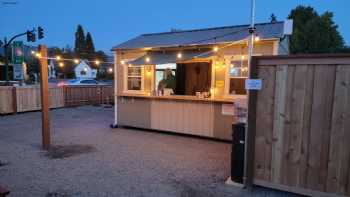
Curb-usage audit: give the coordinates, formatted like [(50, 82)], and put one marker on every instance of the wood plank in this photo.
[(320, 126), (293, 148), (339, 155), (304, 152), (304, 61), (278, 122), (264, 123)]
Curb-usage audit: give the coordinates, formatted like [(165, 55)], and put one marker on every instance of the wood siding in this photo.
[(201, 118), (302, 124)]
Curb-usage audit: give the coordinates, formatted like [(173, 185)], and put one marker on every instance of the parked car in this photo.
[(77, 82)]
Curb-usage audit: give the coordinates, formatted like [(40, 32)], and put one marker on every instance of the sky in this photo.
[(114, 21)]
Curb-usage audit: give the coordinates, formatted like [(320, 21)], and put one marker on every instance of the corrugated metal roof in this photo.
[(202, 36)]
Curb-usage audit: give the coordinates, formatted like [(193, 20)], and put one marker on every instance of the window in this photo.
[(134, 78), (238, 72), (160, 68)]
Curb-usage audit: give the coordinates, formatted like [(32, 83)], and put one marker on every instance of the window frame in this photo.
[(228, 60), (126, 78)]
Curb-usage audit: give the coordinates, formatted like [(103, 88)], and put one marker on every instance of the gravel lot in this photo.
[(119, 162)]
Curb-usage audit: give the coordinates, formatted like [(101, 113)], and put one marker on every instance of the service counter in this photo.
[(181, 114)]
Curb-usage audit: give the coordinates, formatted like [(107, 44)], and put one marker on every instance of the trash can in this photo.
[(237, 153)]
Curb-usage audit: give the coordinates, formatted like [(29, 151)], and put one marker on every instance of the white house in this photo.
[(51, 70), (83, 70)]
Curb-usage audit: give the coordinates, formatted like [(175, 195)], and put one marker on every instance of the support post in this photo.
[(115, 124), (14, 100), (44, 87)]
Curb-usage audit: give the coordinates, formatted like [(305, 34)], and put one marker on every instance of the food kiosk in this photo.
[(188, 81)]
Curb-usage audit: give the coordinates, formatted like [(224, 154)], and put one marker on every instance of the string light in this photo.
[(122, 62), (32, 52), (110, 69), (38, 55), (61, 64), (257, 38), (76, 61), (179, 55), (148, 59), (58, 57), (242, 57), (85, 69), (97, 62), (215, 49)]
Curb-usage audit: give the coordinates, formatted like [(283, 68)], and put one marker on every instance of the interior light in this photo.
[(58, 57), (38, 55), (148, 59), (122, 62), (110, 69), (242, 57), (215, 49), (61, 64), (76, 61), (97, 62)]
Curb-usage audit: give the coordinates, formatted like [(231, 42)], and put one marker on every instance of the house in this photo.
[(207, 67), (83, 70), (51, 70)]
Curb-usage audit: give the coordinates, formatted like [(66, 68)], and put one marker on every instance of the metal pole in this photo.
[(250, 54)]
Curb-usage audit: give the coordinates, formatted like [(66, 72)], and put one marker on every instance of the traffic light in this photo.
[(40, 32), (30, 36)]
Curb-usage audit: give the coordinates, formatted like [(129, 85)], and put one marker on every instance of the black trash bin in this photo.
[(237, 153)]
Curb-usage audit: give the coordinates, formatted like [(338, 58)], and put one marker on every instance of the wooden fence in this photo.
[(27, 98), (299, 124)]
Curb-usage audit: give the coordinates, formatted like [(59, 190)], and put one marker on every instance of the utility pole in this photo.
[(250, 54), (44, 87)]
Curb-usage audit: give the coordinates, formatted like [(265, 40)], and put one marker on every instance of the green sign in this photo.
[(17, 52)]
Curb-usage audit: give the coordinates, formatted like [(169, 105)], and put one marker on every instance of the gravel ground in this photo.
[(118, 162)]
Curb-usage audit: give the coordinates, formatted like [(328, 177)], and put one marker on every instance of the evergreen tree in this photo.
[(89, 44), (273, 18), (80, 43), (314, 33)]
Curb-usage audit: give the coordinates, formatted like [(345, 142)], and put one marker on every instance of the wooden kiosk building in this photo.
[(210, 67)]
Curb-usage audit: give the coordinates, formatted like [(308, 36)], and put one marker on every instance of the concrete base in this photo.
[(232, 183), (113, 126)]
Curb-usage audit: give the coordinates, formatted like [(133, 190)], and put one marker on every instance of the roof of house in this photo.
[(202, 36)]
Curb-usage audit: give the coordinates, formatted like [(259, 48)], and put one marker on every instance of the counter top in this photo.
[(186, 97)]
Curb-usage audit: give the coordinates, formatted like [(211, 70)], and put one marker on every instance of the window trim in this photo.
[(228, 60), (126, 76)]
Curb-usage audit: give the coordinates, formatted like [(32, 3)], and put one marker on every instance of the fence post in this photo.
[(250, 138), (14, 100)]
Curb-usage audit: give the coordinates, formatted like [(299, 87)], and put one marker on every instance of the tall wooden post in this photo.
[(44, 97)]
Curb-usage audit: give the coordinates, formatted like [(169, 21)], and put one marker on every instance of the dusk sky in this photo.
[(111, 22)]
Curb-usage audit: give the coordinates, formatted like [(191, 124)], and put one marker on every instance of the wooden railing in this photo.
[(299, 124), (27, 98)]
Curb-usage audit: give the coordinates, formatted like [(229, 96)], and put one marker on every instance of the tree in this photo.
[(80, 42), (273, 18), (314, 33), (89, 44)]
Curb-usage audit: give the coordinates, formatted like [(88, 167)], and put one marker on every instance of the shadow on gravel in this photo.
[(61, 152)]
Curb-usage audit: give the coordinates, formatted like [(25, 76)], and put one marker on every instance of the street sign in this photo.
[(253, 84), (18, 73), (17, 52)]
